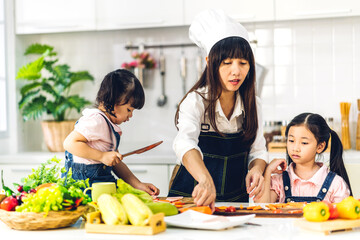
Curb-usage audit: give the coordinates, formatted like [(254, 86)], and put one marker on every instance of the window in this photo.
[(3, 92)]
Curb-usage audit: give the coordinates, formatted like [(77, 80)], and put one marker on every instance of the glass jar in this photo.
[(271, 129)]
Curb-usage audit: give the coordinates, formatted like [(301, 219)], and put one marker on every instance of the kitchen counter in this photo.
[(271, 228)]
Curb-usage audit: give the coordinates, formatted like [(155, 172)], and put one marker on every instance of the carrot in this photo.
[(179, 206), (257, 208), (252, 207), (160, 200), (222, 207), (241, 206), (271, 207), (178, 203), (277, 211), (202, 209)]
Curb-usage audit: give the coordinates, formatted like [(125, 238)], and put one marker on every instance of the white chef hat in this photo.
[(211, 26)]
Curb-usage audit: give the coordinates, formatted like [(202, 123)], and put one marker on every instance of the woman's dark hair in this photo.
[(231, 47), (322, 132), (120, 87)]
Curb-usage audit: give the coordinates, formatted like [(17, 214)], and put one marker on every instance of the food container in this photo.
[(271, 129), (345, 132)]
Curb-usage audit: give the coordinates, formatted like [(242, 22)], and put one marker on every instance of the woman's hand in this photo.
[(255, 182), (149, 188), (111, 158), (204, 193), (278, 165), (254, 179)]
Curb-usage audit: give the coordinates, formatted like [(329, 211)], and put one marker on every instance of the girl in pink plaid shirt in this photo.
[(305, 179)]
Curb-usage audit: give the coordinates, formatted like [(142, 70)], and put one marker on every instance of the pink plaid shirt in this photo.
[(299, 187)]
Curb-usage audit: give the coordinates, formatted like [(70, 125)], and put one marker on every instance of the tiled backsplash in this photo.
[(310, 66)]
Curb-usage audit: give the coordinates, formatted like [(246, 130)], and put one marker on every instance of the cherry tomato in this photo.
[(230, 209), (20, 188), (9, 203)]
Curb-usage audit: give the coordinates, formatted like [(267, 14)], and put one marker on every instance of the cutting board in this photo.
[(263, 213), (328, 226), (94, 225)]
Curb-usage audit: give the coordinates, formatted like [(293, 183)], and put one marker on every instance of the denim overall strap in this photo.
[(117, 135), (225, 157), (326, 185), (321, 195), (93, 172), (287, 185)]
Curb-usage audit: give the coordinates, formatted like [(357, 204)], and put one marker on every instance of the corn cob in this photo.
[(112, 212), (139, 214)]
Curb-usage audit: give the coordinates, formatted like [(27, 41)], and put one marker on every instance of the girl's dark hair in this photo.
[(322, 132), (120, 87), (231, 47)]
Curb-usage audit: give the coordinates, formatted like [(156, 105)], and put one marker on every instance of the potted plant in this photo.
[(141, 62), (47, 91)]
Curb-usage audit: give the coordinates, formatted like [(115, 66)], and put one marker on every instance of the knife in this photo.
[(141, 150)]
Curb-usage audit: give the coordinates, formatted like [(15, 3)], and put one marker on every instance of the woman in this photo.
[(220, 134)]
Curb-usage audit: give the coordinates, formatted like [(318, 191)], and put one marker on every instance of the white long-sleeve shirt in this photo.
[(191, 116)]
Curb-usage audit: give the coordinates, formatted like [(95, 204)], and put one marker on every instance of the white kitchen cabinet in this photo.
[(353, 171), (156, 174), (126, 14), (50, 16), (240, 10), (308, 9)]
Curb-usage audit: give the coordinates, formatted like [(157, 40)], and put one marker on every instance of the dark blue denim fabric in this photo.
[(225, 157), (93, 172), (321, 195)]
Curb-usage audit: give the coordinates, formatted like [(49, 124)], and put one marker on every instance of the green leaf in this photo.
[(25, 89), (77, 102), (34, 109), (48, 65), (62, 71), (37, 48), (31, 71), (80, 76), (49, 89), (26, 99)]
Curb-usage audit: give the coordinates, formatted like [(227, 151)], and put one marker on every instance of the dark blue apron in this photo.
[(93, 172), (321, 195), (225, 157)]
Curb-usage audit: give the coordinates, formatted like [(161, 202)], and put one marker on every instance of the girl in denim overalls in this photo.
[(306, 180), (220, 145), (91, 148)]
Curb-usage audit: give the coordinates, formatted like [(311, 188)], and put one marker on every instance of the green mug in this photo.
[(99, 188)]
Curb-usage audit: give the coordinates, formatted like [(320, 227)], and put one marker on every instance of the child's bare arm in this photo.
[(76, 144), (269, 195), (122, 171)]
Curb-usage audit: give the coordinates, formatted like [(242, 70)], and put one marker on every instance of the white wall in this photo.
[(311, 66)]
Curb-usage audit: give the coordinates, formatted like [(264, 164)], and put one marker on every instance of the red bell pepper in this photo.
[(334, 213)]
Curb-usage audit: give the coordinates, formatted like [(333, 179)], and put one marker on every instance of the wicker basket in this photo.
[(37, 221), (55, 133)]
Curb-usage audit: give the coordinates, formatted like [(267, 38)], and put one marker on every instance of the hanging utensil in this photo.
[(163, 98), (141, 150), (183, 71)]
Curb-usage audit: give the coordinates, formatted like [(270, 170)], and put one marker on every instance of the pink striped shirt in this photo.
[(299, 187)]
